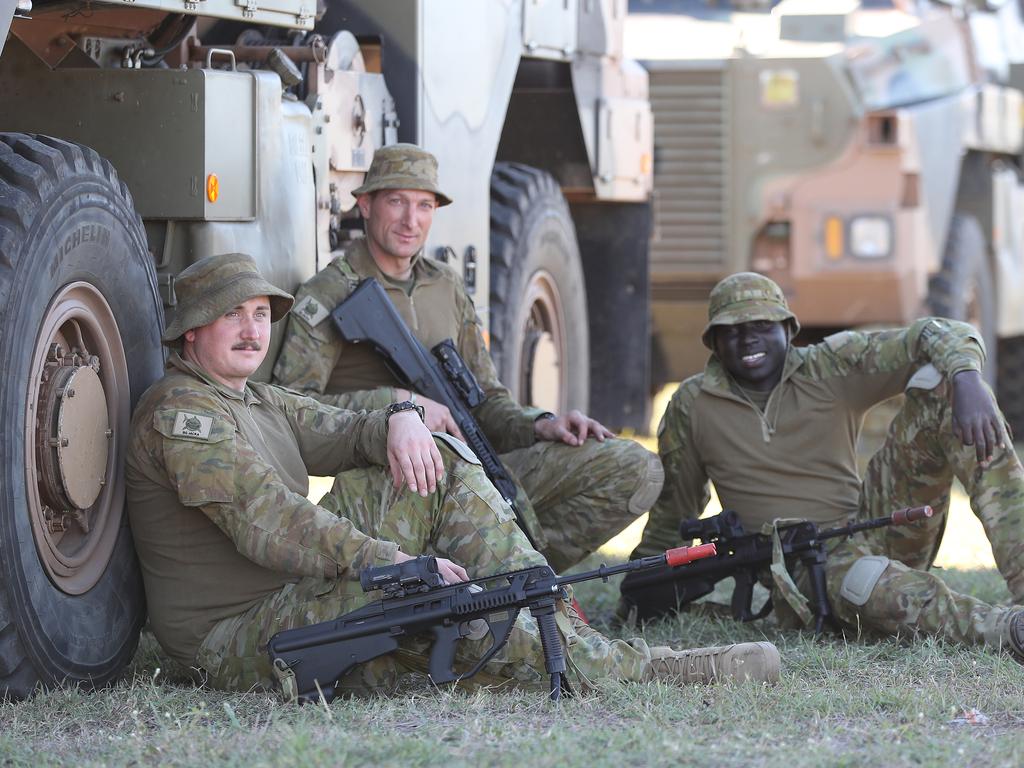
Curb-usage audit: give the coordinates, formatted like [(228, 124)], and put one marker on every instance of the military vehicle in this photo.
[(865, 157), (139, 137)]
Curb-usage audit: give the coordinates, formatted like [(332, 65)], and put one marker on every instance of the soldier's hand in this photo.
[(412, 454), (436, 416), (450, 572), (976, 419), (572, 428)]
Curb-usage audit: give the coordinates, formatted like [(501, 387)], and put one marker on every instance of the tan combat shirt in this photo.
[(315, 361), (217, 484), (797, 458)]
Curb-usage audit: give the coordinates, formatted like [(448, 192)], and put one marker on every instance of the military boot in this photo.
[(742, 662)]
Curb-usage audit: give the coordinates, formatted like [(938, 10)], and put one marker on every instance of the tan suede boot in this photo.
[(742, 662)]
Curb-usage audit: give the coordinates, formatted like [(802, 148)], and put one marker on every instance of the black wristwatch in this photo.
[(405, 405)]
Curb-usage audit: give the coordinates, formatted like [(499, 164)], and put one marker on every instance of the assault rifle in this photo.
[(368, 316), (417, 602), (660, 591)]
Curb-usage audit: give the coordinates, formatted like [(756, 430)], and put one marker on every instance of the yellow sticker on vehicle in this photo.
[(780, 88)]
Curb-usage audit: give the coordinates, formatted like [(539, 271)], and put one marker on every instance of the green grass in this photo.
[(840, 703)]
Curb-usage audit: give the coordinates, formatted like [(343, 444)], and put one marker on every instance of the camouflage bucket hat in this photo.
[(402, 166), (743, 297), (212, 286)]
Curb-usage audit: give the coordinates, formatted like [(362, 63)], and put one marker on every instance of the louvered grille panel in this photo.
[(691, 136)]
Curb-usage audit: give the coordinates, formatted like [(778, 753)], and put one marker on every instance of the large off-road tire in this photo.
[(539, 333), (80, 324), (963, 288)]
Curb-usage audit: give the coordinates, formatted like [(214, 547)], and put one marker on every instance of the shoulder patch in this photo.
[(192, 425), (311, 310)]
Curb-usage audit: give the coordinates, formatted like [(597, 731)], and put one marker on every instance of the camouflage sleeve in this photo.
[(868, 368), (507, 424), (225, 477), (330, 439), (310, 352), (686, 491)]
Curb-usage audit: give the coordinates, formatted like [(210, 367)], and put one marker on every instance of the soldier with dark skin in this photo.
[(775, 428), (232, 551), (578, 484)]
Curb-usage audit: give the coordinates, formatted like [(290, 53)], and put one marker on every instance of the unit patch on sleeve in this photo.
[(192, 425), (311, 310)]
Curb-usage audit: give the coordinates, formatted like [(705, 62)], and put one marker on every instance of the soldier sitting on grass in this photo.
[(575, 493), (233, 552), (775, 427)]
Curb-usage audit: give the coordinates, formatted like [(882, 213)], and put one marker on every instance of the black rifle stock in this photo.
[(417, 602), (657, 592), (367, 316)]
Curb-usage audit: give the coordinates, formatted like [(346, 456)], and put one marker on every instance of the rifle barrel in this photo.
[(903, 516), (673, 557)]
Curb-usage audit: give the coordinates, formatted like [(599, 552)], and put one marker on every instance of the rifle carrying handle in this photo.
[(911, 514)]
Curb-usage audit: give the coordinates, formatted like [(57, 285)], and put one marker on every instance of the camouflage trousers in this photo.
[(466, 521), (916, 466), (575, 498)]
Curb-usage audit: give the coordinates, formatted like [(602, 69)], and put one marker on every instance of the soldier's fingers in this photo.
[(989, 439), (429, 471), (453, 429), (460, 572), (408, 473), (397, 475), (435, 457), (570, 436), (420, 472), (977, 438), (450, 572)]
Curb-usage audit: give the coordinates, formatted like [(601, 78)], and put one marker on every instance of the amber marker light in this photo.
[(212, 188), (834, 237)]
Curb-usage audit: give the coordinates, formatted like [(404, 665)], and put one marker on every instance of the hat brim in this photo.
[(403, 182), (744, 314), (218, 300)]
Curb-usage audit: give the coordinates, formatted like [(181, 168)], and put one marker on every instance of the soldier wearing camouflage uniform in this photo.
[(232, 551), (574, 493), (775, 427)]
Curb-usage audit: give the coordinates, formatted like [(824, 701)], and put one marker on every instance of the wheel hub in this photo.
[(79, 394), (74, 436)]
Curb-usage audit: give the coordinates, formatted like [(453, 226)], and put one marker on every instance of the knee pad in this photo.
[(649, 487), (860, 580)]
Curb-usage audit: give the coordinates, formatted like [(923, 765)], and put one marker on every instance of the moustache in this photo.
[(253, 345)]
